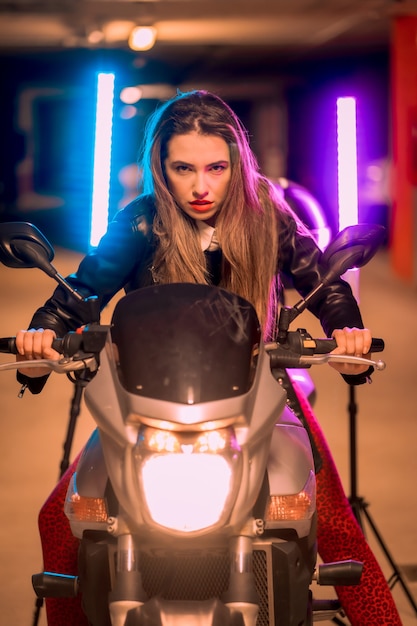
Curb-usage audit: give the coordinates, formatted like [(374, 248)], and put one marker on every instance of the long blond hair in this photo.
[(247, 223)]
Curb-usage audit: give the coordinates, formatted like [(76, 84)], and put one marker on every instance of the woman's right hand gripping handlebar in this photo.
[(35, 344)]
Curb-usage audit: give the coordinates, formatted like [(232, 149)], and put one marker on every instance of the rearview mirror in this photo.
[(352, 247), (22, 245)]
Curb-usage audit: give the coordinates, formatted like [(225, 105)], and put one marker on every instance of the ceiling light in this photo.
[(95, 36), (142, 37), (130, 95), (116, 31)]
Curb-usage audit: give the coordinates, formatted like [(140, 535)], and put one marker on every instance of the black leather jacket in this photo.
[(123, 260)]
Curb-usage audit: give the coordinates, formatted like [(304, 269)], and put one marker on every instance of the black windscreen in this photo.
[(186, 343)]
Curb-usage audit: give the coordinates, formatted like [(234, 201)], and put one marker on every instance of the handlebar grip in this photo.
[(324, 346), (8, 345), (90, 339), (377, 345), (58, 345)]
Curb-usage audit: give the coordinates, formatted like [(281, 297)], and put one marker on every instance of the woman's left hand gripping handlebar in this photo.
[(353, 342)]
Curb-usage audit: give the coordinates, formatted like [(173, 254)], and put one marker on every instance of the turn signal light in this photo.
[(293, 507)]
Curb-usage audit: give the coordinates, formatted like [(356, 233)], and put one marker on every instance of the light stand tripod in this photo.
[(360, 506)]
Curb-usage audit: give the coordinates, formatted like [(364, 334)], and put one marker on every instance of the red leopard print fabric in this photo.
[(60, 552), (339, 537)]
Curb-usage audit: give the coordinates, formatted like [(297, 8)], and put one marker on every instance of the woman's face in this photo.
[(198, 173)]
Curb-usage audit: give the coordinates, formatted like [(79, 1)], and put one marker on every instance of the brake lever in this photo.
[(320, 359), (61, 366)]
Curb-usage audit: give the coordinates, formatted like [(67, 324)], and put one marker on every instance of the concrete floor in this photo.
[(33, 429)]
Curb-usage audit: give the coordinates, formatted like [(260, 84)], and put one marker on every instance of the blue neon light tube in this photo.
[(102, 157)]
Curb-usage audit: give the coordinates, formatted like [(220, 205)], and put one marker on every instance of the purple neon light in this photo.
[(347, 174)]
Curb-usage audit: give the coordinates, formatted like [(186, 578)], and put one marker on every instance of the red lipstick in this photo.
[(201, 205)]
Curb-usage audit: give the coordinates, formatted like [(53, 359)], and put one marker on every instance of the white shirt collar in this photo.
[(206, 235)]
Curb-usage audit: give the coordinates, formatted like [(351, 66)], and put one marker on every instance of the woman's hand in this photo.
[(355, 342), (35, 344)]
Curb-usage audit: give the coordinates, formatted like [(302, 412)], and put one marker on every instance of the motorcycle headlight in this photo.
[(187, 479)]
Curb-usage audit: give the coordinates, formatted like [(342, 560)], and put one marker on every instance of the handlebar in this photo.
[(8, 345), (89, 339), (302, 350), (299, 349), (324, 346)]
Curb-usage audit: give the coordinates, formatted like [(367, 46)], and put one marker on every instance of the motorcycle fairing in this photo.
[(236, 392)]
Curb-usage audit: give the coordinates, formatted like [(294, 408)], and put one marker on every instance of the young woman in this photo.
[(207, 215)]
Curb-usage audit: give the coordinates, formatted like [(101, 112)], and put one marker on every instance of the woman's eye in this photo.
[(218, 169), (182, 168)]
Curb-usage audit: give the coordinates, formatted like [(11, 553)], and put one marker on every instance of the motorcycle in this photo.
[(194, 498)]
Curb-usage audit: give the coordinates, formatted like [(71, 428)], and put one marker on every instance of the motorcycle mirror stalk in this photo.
[(352, 248)]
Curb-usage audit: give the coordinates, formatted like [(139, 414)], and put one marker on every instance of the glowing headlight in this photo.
[(187, 479)]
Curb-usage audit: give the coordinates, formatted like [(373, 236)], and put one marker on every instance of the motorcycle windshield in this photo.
[(185, 343)]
